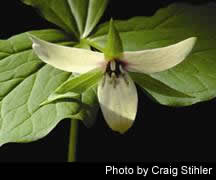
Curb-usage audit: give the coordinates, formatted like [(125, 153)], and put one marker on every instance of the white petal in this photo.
[(118, 104), (67, 58), (159, 59)]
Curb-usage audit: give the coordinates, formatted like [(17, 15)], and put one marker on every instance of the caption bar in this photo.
[(157, 170)]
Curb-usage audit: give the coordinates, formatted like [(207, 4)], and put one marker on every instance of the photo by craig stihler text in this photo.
[(157, 170)]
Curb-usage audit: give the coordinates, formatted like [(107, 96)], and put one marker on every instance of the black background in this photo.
[(159, 133)]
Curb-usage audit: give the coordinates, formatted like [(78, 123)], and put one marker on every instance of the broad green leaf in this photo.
[(77, 17), (158, 89), (176, 15), (113, 47), (26, 82), (75, 86), (196, 75)]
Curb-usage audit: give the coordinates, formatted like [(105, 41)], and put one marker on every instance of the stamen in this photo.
[(115, 70), (121, 69), (113, 76), (113, 79), (125, 79), (104, 80), (113, 65)]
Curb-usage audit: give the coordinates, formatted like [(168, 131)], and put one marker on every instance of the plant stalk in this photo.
[(72, 148)]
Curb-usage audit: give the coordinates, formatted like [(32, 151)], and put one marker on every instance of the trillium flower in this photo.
[(116, 91)]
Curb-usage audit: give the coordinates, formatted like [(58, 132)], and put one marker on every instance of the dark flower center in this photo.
[(115, 70), (115, 67)]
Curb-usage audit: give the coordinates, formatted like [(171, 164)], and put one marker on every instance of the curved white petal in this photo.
[(159, 59), (119, 103), (67, 58)]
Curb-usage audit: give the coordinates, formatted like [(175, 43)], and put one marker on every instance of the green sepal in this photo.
[(75, 86), (114, 47)]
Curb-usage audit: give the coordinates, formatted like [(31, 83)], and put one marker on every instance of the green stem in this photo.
[(73, 141)]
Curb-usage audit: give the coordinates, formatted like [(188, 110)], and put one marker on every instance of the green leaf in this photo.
[(96, 9), (25, 82), (77, 17), (113, 47), (196, 75), (176, 15), (75, 86), (158, 89)]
